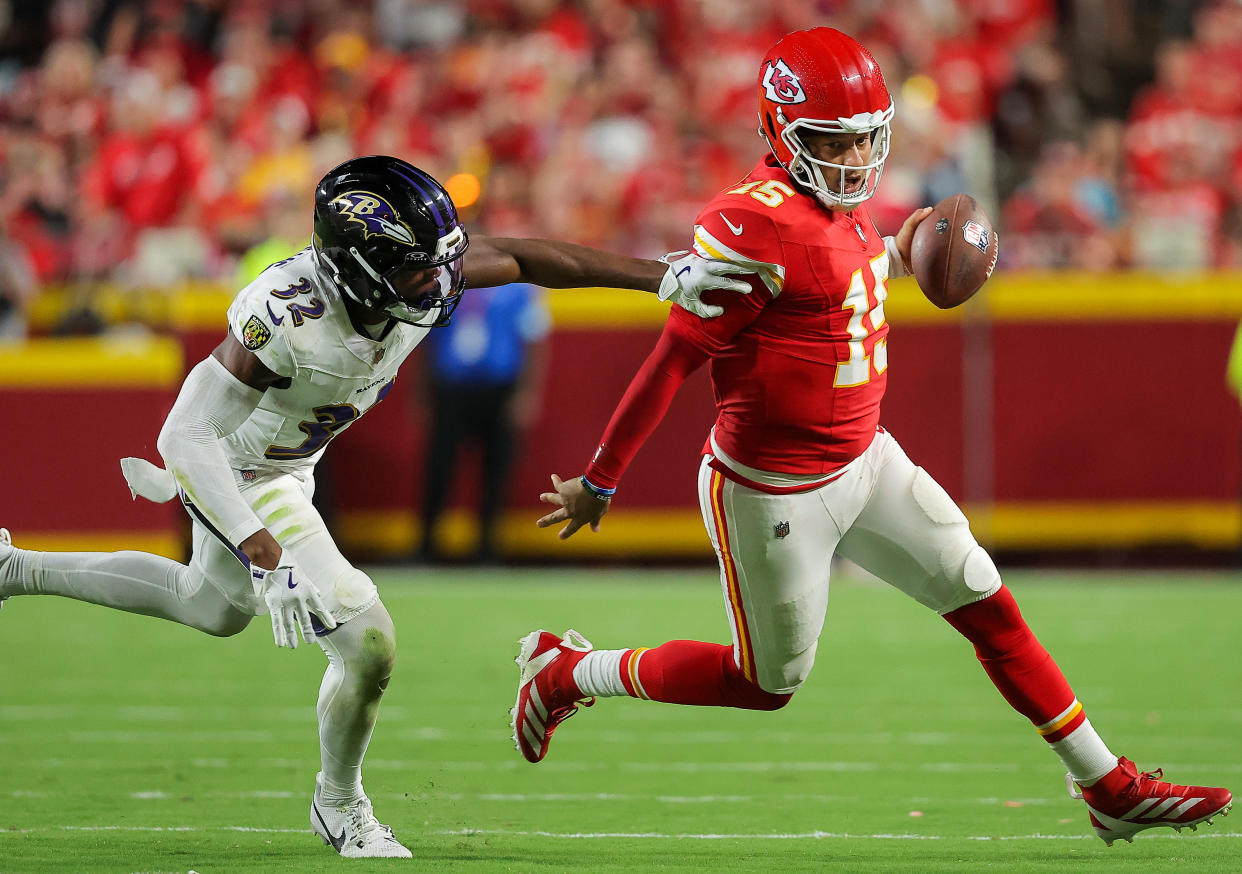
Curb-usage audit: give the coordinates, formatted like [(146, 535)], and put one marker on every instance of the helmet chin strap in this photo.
[(370, 271), (348, 292), (337, 280)]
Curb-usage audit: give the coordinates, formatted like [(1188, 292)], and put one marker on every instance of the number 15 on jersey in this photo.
[(864, 321)]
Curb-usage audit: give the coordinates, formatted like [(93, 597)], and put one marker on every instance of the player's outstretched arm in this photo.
[(682, 278)]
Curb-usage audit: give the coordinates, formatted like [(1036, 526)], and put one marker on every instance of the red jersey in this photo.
[(799, 365)]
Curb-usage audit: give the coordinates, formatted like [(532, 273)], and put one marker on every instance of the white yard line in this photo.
[(682, 836), (513, 764), (553, 797)]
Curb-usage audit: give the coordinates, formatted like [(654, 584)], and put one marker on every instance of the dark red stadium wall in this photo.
[(75, 408), (1120, 411)]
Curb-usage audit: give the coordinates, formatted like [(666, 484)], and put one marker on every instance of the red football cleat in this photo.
[(547, 694), (1124, 802)]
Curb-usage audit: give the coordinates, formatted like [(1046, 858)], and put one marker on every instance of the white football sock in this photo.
[(359, 664), (599, 673), (1085, 754)]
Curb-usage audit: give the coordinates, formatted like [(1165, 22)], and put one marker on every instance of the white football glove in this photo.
[(688, 276), (290, 599)]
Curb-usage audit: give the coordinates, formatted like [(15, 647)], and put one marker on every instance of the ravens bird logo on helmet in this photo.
[(375, 214)]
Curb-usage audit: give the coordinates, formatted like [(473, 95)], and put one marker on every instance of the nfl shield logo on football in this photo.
[(976, 234), (781, 530)]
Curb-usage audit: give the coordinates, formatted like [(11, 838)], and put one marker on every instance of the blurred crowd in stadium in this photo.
[(154, 141)]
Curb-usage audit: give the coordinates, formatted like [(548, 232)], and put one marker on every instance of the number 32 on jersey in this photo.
[(864, 321)]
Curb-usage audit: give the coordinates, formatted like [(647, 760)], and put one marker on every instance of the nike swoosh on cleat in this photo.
[(737, 229), (337, 841)]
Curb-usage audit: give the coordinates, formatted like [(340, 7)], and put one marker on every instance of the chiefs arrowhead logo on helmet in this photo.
[(780, 84), (375, 214)]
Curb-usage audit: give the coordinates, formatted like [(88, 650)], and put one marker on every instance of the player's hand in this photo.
[(688, 276), (575, 505), (905, 237), (291, 599)]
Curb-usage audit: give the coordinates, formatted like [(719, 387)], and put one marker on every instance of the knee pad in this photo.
[(966, 572), (350, 594)]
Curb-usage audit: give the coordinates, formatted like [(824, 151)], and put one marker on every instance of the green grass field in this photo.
[(128, 744)]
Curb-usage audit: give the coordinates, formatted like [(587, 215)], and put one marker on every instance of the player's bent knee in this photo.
[(786, 677), (741, 692), (749, 696), (352, 590), (770, 700), (369, 646), (216, 616), (204, 607), (379, 653), (228, 622), (976, 579)]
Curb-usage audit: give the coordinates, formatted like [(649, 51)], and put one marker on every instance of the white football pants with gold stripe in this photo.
[(775, 551)]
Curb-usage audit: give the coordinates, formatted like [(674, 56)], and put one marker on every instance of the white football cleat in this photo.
[(353, 831)]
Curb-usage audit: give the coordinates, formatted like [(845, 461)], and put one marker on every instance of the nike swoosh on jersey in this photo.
[(293, 584), (707, 246), (737, 229), (276, 320)]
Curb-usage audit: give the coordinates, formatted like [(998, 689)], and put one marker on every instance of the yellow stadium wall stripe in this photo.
[(167, 544), (1006, 297), (1093, 525), (92, 362), (680, 534)]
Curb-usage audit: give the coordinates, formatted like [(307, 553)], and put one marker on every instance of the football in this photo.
[(954, 251)]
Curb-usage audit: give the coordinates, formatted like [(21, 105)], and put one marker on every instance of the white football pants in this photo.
[(775, 551)]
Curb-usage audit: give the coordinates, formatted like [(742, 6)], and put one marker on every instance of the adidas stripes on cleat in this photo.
[(547, 694), (1124, 802)]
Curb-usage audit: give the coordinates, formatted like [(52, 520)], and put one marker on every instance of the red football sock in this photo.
[(1018, 664), (693, 672)]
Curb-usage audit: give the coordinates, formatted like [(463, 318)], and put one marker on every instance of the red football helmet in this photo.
[(823, 81)]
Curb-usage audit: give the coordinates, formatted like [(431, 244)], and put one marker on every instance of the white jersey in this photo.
[(294, 320)]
